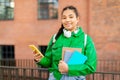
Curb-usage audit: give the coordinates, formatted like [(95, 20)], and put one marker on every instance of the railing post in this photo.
[(112, 76), (93, 76), (9, 72), (103, 76), (2, 74), (32, 78), (24, 74), (39, 71), (16, 71)]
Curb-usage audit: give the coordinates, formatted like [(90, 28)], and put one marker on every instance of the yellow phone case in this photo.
[(34, 48)]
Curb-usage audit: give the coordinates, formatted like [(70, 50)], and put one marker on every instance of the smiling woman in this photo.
[(70, 35), (70, 19)]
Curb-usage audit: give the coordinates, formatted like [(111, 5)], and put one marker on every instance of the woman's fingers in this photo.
[(63, 67), (37, 57), (60, 66), (34, 52)]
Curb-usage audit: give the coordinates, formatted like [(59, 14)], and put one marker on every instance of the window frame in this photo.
[(7, 50), (8, 10), (7, 55), (49, 10)]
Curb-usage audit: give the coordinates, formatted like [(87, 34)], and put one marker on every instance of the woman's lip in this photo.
[(68, 25)]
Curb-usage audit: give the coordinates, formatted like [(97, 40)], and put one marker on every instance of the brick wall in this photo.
[(105, 27), (99, 18)]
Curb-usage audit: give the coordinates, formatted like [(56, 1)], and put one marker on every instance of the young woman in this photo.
[(69, 35)]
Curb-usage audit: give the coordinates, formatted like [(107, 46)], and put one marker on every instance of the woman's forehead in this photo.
[(68, 12)]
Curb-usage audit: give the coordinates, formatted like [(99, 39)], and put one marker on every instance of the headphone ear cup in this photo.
[(67, 33)]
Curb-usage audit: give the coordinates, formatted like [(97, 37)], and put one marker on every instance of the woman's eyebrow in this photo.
[(70, 15), (63, 16)]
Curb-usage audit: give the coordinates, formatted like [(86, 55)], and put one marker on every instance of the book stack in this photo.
[(74, 56)]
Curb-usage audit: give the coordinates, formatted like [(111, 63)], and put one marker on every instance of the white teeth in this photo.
[(68, 24)]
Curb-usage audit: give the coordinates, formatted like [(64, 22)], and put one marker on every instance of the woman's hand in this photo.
[(37, 56), (63, 67)]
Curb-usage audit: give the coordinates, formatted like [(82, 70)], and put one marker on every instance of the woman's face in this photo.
[(69, 20)]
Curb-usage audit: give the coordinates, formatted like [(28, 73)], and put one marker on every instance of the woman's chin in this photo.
[(69, 27)]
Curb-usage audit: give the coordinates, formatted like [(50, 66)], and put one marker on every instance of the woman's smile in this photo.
[(68, 24), (69, 20)]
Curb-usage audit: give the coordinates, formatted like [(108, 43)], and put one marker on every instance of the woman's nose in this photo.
[(67, 19)]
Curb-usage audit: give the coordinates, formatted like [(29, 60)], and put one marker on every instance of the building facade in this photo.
[(99, 18)]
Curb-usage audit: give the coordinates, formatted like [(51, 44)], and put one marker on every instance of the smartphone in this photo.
[(34, 48)]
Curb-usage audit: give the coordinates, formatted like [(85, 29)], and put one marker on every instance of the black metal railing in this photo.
[(103, 65), (15, 73), (29, 63), (26, 69), (108, 66), (104, 76)]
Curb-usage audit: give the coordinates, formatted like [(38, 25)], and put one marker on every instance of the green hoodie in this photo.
[(54, 54)]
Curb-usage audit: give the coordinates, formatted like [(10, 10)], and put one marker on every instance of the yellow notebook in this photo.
[(34, 48)]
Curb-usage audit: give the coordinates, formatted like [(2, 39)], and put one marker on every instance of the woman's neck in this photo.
[(72, 30)]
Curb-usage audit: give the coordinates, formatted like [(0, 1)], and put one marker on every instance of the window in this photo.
[(43, 49), (7, 54), (47, 9), (6, 9)]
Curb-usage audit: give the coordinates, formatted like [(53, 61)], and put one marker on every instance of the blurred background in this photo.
[(26, 22)]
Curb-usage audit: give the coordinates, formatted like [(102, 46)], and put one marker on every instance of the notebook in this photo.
[(77, 58), (74, 57), (70, 49)]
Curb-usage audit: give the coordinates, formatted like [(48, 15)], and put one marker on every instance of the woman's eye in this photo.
[(63, 18), (71, 17)]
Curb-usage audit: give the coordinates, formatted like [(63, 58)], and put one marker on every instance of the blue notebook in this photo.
[(75, 58)]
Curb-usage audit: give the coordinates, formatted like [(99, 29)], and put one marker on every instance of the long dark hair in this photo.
[(60, 31)]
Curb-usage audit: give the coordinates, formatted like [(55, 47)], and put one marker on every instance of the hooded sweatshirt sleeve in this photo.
[(90, 65)]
